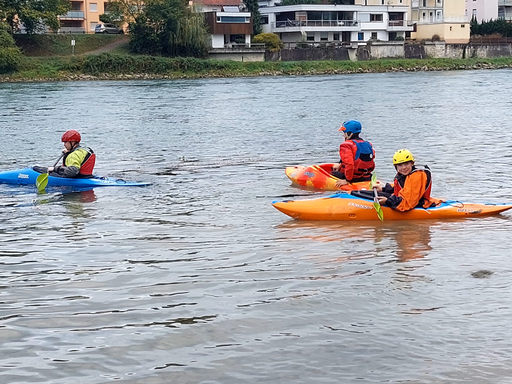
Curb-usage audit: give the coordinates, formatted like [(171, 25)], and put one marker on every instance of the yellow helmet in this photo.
[(402, 156)]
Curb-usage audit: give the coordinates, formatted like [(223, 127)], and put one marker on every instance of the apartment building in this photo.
[(482, 10), (83, 16), (505, 10), (356, 22), (444, 18)]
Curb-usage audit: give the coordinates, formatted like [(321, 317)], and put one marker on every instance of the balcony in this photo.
[(445, 20), (399, 25), (73, 15), (72, 30), (297, 25), (505, 3)]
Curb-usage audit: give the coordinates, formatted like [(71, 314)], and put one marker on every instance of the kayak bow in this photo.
[(319, 177)]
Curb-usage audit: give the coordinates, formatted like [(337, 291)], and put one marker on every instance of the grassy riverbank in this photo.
[(107, 66)]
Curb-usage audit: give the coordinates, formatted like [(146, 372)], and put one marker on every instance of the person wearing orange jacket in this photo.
[(357, 156), (411, 187)]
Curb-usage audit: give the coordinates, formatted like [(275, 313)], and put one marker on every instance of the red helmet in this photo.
[(71, 136)]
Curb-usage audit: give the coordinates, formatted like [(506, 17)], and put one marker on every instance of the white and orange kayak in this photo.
[(319, 177), (343, 206)]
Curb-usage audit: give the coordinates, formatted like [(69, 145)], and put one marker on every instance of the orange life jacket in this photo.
[(400, 181)]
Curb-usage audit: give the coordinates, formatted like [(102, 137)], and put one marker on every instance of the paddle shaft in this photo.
[(54, 165)]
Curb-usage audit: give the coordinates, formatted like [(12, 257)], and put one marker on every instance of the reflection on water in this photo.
[(197, 278)]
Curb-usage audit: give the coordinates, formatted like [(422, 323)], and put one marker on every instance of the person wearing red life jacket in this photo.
[(411, 187), (357, 156), (78, 161)]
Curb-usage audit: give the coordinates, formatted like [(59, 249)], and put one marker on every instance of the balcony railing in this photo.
[(504, 3), (396, 23), (73, 15), (72, 30), (316, 23), (445, 20)]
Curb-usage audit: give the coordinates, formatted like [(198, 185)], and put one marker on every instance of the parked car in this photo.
[(107, 28)]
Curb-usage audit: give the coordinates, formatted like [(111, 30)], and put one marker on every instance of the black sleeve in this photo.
[(393, 201), (388, 188)]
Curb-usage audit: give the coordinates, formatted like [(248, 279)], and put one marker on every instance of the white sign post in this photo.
[(73, 47)]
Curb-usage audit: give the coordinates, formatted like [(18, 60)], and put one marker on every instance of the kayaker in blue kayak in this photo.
[(77, 161), (357, 156)]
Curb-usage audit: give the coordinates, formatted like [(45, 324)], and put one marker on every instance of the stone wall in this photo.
[(394, 50)]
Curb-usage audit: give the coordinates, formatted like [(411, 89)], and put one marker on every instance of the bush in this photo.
[(399, 38), (272, 42), (436, 38), (10, 54)]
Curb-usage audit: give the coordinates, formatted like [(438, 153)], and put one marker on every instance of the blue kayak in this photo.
[(28, 176)]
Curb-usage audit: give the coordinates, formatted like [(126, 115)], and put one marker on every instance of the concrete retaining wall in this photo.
[(394, 50)]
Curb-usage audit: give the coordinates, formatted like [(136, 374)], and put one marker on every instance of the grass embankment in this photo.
[(116, 66), (49, 58), (60, 45)]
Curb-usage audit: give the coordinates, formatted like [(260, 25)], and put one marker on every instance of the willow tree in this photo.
[(169, 28), (191, 38)]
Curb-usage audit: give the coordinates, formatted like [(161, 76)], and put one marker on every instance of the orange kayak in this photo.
[(343, 206), (319, 177)]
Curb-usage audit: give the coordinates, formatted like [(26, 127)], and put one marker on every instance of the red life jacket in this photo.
[(87, 165), (364, 159), (400, 181)]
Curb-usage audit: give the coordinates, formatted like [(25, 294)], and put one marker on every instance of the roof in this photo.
[(221, 2)]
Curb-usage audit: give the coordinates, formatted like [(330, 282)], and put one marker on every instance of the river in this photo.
[(198, 279)]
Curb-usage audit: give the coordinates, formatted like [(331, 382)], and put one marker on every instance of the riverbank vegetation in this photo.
[(108, 66)]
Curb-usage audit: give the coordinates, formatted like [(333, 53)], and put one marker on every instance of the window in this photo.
[(374, 35), (324, 36), (360, 36), (310, 36), (474, 13), (92, 25), (233, 19), (93, 7), (264, 20), (336, 36), (376, 17)]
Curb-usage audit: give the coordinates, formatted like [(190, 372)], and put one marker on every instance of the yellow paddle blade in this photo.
[(42, 182), (378, 208), (373, 181), (376, 203)]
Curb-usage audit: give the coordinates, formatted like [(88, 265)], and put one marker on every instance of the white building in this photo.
[(482, 10), (335, 23), (505, 9)]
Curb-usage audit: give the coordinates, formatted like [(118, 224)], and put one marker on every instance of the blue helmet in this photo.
[(351, 126)]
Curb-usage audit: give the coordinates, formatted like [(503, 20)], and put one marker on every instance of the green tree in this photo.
[(271, 40), (10, 54), (252, 6), (114, 13), (35, 15), (169, 28), (123, 10)]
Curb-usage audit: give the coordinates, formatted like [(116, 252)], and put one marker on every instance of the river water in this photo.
[(198, 279)]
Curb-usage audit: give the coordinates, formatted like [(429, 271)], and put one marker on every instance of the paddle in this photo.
[(376, 203), (42, 179)]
